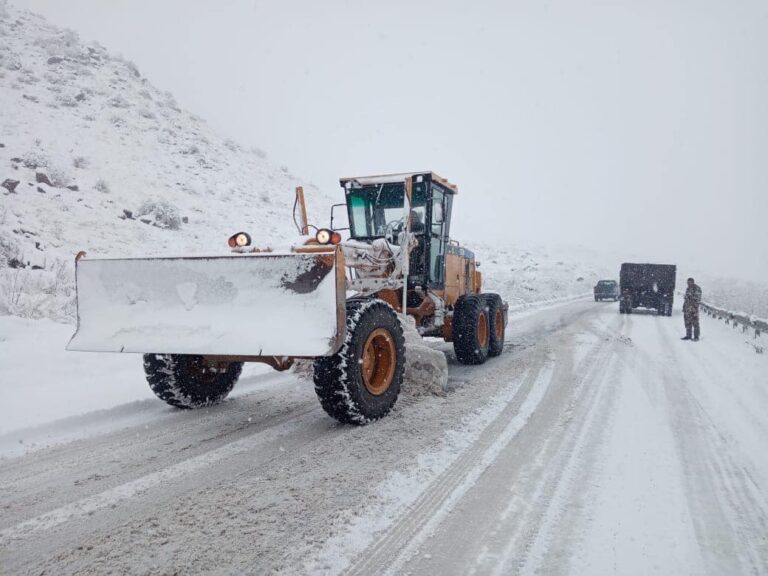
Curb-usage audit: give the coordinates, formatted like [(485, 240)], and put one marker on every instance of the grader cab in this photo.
[(339, 302)]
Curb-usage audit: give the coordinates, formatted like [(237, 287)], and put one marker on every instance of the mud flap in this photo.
[(238, 305)]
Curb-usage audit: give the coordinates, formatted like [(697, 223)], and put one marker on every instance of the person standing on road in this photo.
[(691, 310)]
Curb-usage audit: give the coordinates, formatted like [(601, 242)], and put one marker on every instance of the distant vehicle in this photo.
[(606, 290), (647, 286)]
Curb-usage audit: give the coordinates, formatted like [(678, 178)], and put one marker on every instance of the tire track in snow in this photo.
[(402, 540), (108, 498), (728, 508), (451, 484), (542, 507), (515, 504), (33, 484), (548, 548)]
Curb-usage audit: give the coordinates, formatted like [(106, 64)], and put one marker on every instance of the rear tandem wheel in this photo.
[(497, 327), (471, 329)]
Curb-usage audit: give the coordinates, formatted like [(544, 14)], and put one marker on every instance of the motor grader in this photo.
[(340, 302)]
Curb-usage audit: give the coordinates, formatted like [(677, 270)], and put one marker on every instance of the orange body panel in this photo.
[(391, 297), (455, 281)]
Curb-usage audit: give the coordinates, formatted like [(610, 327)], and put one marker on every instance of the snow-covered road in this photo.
[(596, 444)]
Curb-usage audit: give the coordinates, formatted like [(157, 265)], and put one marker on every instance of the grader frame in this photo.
[(197, 319)]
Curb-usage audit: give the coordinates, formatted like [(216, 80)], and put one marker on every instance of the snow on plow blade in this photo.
[(239, 305)]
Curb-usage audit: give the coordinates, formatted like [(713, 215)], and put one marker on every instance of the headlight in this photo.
[(239, 240), (324, 236)]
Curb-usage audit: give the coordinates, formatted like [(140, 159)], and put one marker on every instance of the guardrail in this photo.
[(736, 319)]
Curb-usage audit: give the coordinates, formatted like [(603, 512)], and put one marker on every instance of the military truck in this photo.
[(647, 286)]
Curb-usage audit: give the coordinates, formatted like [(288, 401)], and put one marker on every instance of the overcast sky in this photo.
[(631, 124)]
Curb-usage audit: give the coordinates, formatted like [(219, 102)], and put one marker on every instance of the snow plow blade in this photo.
[(251, 305)]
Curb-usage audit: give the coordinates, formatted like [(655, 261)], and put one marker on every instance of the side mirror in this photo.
[(437, 214)]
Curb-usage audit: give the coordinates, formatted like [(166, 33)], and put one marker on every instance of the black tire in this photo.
[(345, 392), (187, 381), (496, 324), (469, 313)]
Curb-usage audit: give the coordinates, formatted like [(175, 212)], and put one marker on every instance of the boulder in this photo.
[(42, 178), (10, 185), (55, 60)]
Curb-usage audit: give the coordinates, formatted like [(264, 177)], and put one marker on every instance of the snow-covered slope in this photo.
[(94, 157), (742, 296), (537, 273)]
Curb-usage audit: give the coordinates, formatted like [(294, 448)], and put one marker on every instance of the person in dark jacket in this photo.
[(691, 310)]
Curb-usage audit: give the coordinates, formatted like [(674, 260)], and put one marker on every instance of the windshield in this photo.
[(376, 210)]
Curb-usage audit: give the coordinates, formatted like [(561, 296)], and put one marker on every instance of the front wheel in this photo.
[(187, 381), (361, 382)]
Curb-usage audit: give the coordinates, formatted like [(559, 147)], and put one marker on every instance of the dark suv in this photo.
[(606, 290)]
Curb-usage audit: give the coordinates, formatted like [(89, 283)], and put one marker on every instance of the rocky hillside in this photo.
[(524, 275), (94, 157)]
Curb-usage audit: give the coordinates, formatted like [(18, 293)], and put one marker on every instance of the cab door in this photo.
[(438, 236)]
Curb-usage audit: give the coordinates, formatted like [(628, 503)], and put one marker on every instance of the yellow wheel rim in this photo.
[(379, 361), (482, 330)]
